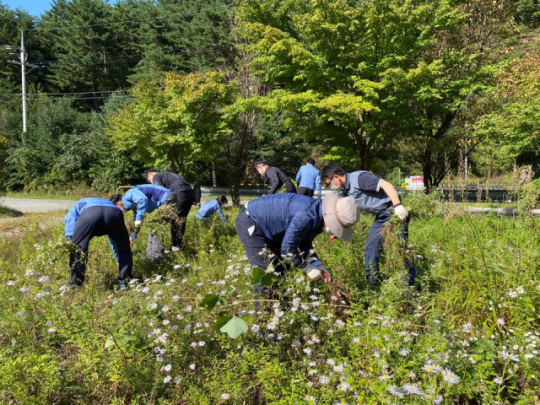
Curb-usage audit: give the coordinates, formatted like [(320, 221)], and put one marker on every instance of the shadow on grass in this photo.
[(6, 212)]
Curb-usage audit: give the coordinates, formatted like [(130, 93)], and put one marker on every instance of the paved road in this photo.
[(27, 206)]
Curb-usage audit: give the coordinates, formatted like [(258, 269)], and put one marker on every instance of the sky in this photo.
[(34, 7)]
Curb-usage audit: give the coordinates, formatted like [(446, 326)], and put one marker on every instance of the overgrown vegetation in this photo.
[(468, 334)]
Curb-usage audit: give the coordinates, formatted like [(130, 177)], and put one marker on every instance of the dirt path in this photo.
[(28, 206)]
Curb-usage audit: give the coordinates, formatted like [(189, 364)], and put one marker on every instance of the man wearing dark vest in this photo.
[(181, 197), (274, 176), (378, 197)]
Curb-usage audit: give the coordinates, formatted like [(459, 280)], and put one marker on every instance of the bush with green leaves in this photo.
[(188, 330)]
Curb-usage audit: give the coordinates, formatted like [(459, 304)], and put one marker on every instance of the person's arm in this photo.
[(114, 249), (71, 217), (295, 238), (318, 183), (138, 198), (390, 192), (220, 213), (299, 176)]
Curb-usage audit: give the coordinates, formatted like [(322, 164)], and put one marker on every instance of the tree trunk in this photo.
[(426, 169), (214, 180)]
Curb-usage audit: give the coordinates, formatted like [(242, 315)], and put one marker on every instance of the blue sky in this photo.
[(34, 7)]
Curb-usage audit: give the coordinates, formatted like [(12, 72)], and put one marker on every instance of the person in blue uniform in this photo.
[(283, 226), (91, 217), (142, 199), (308, 179), (378, 197), (211, 206)]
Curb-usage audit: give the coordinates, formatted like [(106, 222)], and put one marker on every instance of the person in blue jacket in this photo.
[(211, 206), (308, 178), (92, 217), (378, 197), (283, 226), (142, 199)]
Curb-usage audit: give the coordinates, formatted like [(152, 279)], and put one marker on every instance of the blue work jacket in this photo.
[(144, 199), (208, 208), (291, 221), (308, 176), (78, 208)]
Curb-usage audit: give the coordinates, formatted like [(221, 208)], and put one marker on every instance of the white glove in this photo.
[(401, 212), (138, 224), (315, 273)]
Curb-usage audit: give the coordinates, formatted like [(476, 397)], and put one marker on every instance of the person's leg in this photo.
[(184, 203), (373, 247), (306, 191), (409, 266), (117, 231), (85, 229)]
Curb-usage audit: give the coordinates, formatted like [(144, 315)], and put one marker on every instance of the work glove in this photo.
[(317, 272), (401, 211), (138, 224)]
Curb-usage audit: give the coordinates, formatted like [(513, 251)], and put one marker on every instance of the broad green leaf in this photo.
[(210, 301), (235, 327), (220, 321)]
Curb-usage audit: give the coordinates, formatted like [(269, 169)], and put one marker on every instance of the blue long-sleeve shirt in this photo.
[(308, 176), (144, 199), (78, 208), (208, 208), (291, 220)]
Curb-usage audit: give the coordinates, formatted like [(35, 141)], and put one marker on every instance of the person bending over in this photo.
[(91, 217)]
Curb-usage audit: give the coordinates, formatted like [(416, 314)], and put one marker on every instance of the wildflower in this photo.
[(412, 375), (385, 377), (307, 351), (331, 362), (513, 294), (340, 403), (188, 308), (338, 368), (395, 391), (20, 313), (501, 322), (192, 366), (10, 282), (356, 340), (520, 290), (450, 377), (29, 273), (201, 343), (438, 400), (411, 389), (404, 352), (310, 400), (498, 380), (167, 379), (255, 328), (178, 380), (43, 279), (23, 289), (51, 330), (344, 386), (509, 356), (312, 371), (225, 395), (166, 322), (166, 368), (324, 379)]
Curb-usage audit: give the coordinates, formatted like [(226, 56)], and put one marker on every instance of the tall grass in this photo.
[(468, 333)]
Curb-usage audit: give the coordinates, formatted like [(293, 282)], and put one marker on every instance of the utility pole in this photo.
[(23, 71), (22, 62)]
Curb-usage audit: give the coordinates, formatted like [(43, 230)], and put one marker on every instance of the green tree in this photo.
[(366, 75), (510, 130), (174, 123)]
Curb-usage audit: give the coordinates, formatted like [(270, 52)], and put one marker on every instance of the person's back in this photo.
[(172, 181), (308, 179)]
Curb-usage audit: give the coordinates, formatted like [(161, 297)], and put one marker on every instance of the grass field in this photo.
[(468, 334)]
